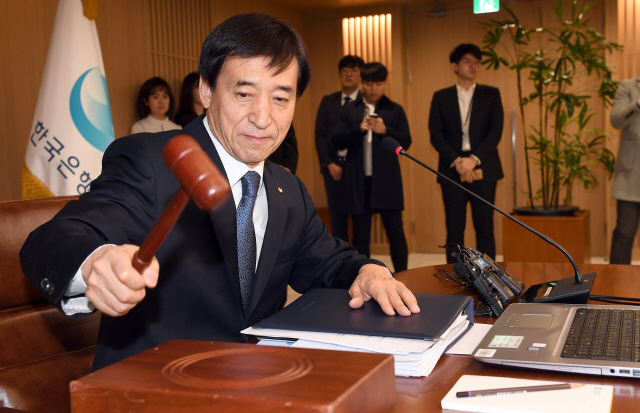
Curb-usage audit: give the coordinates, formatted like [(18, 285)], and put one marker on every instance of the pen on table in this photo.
[(513, 390)]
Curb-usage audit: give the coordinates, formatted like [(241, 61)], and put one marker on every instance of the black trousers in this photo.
[(393, 226), (625, 232), (339, 222), (455, 208)]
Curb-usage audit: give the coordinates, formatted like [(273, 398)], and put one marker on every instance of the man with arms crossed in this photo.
[(465, 123), (253, 69), (332, 160)]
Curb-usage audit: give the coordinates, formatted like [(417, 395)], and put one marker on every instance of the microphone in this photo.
[(567, 290)]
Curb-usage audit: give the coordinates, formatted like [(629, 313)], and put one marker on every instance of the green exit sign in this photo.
[(485, 6)]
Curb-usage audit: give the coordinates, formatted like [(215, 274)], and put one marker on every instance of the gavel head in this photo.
[(196, 172)]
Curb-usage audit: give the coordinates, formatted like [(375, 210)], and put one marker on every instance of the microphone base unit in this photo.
[(564, 291)]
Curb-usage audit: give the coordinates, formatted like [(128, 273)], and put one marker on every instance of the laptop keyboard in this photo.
[(603, 334)]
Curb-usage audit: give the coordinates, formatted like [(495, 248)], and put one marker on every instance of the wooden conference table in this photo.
[(424, 394)]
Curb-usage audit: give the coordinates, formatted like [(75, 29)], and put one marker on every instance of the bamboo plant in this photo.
[(561, 61)]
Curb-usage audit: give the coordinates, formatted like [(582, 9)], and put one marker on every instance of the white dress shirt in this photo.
[(235, 171), (368, 138), (352, 96), (465, 101)]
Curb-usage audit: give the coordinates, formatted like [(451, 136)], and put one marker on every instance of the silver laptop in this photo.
[(586, 338)]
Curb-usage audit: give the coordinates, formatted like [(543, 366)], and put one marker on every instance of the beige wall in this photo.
[(25, 28), (125, 37)]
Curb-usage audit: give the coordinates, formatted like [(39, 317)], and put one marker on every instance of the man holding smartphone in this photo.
[(371, 180)]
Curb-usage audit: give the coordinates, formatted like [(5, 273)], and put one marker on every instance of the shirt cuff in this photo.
[(453, 164), (77, 305), (77, 285), (74, 301), (476, 158)]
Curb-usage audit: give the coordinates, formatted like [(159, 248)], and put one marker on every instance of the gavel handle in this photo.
[(142, 257)]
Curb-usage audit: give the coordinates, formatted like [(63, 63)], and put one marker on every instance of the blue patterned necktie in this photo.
[(247, 234)]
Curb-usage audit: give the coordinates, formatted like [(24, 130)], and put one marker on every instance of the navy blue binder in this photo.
[(327, 310)]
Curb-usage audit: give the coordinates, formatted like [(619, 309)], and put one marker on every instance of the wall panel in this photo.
[(179, 28), (25, 29)]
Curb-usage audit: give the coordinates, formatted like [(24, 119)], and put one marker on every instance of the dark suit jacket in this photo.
[(198, 291), (485, 130), (287, 153), (386, 180), (326, 121)]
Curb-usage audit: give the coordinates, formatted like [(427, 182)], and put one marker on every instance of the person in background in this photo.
[(332, 160), (190, 106), (286, 155), (154, 106), (625, 115), (465, 122), (371, 180)]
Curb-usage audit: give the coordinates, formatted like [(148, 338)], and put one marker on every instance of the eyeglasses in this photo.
[(350, 70), (470, 62)]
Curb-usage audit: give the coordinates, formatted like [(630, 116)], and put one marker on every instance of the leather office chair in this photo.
[(41, 350)]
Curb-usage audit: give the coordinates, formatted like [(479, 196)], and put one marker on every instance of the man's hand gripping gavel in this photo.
[(117, 276)]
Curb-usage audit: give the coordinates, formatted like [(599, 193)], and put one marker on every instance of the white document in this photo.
[(388, 345), (409, 364), (412, 358), (470, 340), (586, 399)]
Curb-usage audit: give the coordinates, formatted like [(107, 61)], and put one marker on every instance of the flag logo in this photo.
[(90, 109), (72, 124)]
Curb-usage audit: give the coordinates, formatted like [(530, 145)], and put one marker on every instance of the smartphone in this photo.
[(373, 115)]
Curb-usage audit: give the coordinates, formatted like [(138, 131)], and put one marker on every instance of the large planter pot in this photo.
[(571, 232), (541, 212)]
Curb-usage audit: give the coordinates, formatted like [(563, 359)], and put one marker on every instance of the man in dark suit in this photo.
[(465, 123), (331, 159), (371, 181), (286, 155), (217, 272)]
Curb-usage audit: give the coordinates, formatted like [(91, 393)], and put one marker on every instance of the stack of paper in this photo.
[(413, 358), (321, 318)]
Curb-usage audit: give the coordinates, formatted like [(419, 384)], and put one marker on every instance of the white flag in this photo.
[(72, 125)]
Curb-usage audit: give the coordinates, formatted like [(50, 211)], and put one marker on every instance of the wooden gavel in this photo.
[(200, 179)]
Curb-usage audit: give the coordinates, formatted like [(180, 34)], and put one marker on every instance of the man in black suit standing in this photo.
[(371, 181), (286, 155), (331, 159), (217, 272), (465, 123)]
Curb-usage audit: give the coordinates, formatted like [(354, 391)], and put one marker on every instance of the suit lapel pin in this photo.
[(280, 189)]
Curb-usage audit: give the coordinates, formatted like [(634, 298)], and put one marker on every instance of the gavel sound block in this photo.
[(200, 179), (188, 376)]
